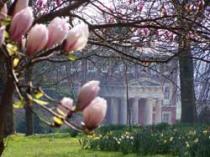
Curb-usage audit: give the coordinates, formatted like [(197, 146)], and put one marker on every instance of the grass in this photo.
[(54, 145)]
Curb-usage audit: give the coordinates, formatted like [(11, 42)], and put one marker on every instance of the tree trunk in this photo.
[(2, 114), (9, 116), (127, 95), (28, 109), (5, 102), (9, 126), (188, 114), (29, 120)]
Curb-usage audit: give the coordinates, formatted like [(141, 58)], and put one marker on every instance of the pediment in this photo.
[(144, 82)]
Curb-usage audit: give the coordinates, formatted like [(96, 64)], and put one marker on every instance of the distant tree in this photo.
[(204, 115)]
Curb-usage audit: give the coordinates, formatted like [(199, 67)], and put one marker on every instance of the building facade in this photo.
[(145, 103), (147, 97)]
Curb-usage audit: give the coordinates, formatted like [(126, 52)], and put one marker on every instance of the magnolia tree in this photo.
[(24, 42)]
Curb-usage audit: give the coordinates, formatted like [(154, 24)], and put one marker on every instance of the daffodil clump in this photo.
[(178, 140)]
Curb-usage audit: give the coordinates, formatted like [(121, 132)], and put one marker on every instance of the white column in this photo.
[(135, 111), (123, 111), (141, 111), (114, 111), (148, 111), (158, 111)]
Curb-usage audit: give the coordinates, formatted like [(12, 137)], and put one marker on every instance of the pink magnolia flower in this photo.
[(201, 4), (87, 93), (20, 5), (3, 12), (58, 28), (41, 3), (21, 23), (67, 103), (95, 113), (65, 107), (37, 39), (163, 11), (145, 32), (58, 2), (77, 38), (140, 6)]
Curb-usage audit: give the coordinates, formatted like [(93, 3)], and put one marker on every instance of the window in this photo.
[(167, 93), (119, 68), (166, 117), (104, 68), (76, 66), (91, 67)]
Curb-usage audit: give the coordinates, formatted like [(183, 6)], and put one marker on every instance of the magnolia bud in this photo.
[(37, 39), (77, 38), (20, 5), (94, 113), (67, 103), (21, 23), (58, 28), (65, 107), (3, 12), (87, 93)]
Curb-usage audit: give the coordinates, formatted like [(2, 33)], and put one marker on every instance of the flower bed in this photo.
[(182, 140)]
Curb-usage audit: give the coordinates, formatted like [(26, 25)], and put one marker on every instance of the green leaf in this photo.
[(6, 21), (72, 57), (15, 62), (6, 34), (18, 104), (38, 94), (58, 121), (12, 49), (38, 101)]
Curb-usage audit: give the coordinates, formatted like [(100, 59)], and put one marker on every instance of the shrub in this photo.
[(183, 140)]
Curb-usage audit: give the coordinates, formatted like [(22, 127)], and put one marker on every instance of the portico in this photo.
[(145, 99)]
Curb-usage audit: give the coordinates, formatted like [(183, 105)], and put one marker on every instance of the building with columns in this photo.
[(147, 97), (145, 104)]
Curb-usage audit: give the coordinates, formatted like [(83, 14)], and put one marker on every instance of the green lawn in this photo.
[(60, 145)]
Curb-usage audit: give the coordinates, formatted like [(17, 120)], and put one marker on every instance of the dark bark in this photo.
[(188, 114), (29, 120), (127, 96), (1, 147), (9, 116), (2, 112), (9, 126), (5, 101)]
